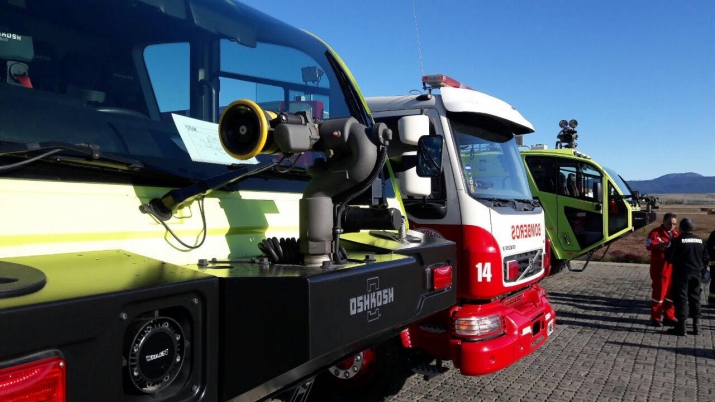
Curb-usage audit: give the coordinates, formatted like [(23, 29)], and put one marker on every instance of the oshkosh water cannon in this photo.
[(354, 156), (567, 136)]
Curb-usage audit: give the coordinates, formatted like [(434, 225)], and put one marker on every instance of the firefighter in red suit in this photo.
[(657, 242)]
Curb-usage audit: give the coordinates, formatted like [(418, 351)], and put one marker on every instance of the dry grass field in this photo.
[(631, 248)]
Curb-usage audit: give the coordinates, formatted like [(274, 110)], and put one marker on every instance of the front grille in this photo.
[(514, 299), (523, 260)]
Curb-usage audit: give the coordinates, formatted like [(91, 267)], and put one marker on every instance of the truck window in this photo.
[(618, 182), (491, 165), (294, 84), (576, 179), (168, 67), (439, 190), (543, 172), (89, 80), (617, 211)]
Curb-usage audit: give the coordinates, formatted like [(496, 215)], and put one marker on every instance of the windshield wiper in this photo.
[(514, 203), (89, 155), (163, 208), (497, 202), (534, 203), (86, 154)]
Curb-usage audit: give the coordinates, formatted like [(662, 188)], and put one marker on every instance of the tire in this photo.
[(383, 374), (557, 265)]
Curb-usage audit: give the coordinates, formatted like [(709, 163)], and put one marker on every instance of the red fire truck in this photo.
[(481, 201)]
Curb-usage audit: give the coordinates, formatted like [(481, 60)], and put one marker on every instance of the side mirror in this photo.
[(636, 195), (598, 192), (429, 156), (412, 128)]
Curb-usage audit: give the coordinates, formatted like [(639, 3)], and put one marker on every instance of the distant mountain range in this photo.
[(686, 183)]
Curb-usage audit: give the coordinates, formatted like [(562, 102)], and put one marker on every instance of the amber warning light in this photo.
[(441, 81)]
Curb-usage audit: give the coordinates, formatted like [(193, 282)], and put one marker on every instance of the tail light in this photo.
[(441, 277), (42, 380)]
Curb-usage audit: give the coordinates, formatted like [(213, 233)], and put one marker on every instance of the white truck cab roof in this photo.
[(458, 100)]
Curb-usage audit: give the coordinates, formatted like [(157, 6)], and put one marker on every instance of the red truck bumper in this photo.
[(528, 323)]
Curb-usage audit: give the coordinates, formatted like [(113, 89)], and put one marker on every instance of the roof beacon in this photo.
[(433, 81)]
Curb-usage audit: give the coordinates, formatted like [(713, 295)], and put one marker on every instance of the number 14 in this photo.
[(484, 272)]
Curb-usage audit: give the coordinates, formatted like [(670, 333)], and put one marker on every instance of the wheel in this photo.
[(371, 375), (557, 265)]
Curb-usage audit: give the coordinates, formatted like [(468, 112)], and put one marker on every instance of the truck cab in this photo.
[(181, 213), (587, 206), (482, 202)]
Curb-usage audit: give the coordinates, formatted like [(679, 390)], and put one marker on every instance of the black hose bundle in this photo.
[(283, 251)]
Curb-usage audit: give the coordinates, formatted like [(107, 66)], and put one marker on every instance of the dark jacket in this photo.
[(711, 248), (688, 254)]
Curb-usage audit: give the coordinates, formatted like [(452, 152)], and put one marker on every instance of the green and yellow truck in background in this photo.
[(587, 206)]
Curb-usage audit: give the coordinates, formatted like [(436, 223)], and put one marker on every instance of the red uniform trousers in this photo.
[(662, 300), (661, 273)]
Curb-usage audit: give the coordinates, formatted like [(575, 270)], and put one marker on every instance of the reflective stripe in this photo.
[(656, 301), (668, 300)]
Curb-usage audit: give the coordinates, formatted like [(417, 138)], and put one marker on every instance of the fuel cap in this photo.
[(156, 354)]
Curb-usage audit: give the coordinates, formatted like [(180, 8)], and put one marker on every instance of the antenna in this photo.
[(417, 31)]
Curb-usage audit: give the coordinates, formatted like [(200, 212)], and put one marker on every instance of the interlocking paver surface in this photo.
[(601, 350)]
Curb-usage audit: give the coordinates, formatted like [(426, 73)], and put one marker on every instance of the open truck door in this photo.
[(587, 206)]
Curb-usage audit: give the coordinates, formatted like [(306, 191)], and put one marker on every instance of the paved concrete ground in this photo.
[(601, 350)]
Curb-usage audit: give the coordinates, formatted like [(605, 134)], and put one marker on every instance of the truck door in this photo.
[(617, 211), (439, 210), (580, 217)]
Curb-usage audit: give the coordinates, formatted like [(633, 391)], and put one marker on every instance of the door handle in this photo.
[(597, 206)]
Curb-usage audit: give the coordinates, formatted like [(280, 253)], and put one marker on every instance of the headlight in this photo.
[(479, 326)]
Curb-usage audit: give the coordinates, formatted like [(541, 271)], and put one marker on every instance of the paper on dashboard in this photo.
[(202, 142)]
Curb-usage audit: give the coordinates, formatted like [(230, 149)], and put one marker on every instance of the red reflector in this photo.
[(441, 277), (512, 270), (42, 380), (547, 255)]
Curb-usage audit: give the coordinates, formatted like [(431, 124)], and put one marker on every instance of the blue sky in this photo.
[(638, 75)]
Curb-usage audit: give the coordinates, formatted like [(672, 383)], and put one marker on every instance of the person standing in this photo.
[(657, 242), (711, 253), (689, 257)]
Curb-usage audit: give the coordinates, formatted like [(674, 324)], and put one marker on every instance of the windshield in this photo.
[(490, 162), (619, 182), (117, 75)]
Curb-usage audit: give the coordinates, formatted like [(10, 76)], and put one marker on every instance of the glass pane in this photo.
[(542, 170), (617, 211), (276, 77), (491, 165), (577, 179), (168, 66)]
